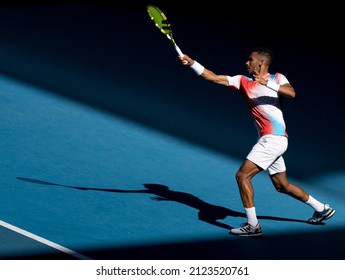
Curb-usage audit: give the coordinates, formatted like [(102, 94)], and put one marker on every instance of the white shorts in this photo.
[(268, 152)]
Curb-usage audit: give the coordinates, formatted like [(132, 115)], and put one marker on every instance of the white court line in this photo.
[(44, 241)]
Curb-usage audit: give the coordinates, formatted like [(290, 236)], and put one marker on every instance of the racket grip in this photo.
[(178, 50)]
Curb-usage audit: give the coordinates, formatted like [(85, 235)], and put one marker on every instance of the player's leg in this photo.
[(282, 185), (262, 155), (243, 178), (322, 211)]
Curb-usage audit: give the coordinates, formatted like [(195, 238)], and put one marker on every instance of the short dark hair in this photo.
[(265, 52)]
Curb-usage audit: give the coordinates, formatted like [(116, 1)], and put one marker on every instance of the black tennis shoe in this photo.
[(318, 217), (247, 230)]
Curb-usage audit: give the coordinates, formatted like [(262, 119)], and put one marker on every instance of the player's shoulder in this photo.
[(278, 74), (279, 77)]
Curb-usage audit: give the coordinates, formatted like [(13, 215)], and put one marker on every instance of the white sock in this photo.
[(251, 216), (317, 205)]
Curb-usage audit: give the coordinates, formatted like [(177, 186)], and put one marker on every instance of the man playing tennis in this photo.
[(263, 92)]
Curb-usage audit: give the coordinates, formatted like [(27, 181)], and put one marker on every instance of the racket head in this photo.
[(159, 19)]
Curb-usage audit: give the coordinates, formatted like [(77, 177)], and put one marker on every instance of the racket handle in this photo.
[(178, 50)]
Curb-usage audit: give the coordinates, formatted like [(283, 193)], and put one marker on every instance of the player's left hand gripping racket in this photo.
[(163, 25)]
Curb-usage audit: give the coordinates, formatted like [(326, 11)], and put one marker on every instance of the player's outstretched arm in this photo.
[(204, 72)]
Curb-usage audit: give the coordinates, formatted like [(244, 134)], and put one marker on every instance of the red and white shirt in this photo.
[(263, 102)]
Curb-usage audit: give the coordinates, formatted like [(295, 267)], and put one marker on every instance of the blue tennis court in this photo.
[(111, 150)]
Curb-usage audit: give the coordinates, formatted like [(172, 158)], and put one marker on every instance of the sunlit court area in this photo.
[(111, 149)]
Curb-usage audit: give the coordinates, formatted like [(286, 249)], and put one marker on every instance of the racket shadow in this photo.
[(209, 213)]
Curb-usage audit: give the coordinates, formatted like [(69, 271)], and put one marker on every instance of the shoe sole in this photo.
[(248, 235)]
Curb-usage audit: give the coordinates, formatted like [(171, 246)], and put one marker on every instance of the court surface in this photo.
[(110, 149)]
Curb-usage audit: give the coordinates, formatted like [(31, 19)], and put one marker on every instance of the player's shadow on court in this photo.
[(207, 212)]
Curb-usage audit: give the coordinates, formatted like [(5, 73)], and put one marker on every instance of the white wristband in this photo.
[(197, 68), (273, 86)]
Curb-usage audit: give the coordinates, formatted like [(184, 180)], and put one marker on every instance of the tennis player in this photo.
[(262, 92)]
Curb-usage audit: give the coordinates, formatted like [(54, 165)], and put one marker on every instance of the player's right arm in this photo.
[(204, 72)]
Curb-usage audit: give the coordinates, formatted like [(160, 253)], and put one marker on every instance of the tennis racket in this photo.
[(162, 24)]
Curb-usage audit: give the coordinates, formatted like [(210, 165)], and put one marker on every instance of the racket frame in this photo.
[(163, 25)]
